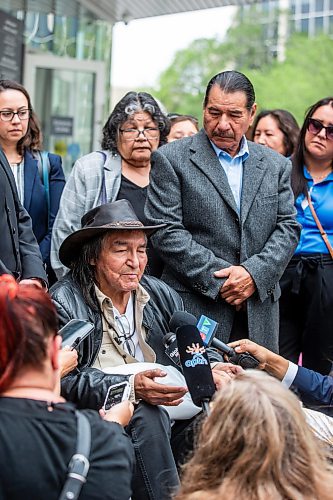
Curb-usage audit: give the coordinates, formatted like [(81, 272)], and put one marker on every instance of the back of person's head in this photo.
[(286, 122), (131, 103), (27, 320), (256, 445), (33, 138), (231, 82)]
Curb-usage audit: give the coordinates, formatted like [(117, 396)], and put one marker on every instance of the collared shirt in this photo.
[(111, 352), (321, 194), (233, 167)]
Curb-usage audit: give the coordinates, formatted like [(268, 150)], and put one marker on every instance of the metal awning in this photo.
[(127, 10)]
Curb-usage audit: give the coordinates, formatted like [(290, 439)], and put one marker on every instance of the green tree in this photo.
[(303, 78)]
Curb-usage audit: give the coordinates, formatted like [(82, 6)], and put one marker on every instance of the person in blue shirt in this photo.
[(306, 304)]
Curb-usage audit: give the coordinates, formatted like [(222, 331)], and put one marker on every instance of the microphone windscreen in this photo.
[(181, 318), (195, 364)]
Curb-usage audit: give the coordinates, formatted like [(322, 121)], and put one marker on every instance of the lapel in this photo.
[(30, 174), (204, 157), (253, 172)]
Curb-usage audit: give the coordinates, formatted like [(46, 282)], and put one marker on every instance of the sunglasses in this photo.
[(315, 126)]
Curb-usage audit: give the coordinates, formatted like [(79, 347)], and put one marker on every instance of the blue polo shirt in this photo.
[(322, 199)]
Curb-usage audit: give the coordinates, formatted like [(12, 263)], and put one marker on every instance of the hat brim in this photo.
[(70, 247)]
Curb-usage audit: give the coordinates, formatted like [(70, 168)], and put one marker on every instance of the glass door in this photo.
[(68, 104)]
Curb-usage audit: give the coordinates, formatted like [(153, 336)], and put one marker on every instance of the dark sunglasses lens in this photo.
[(314, 126), (329, 133)]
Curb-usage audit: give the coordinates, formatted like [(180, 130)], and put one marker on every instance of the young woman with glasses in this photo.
[(21, 141), (306, 305)]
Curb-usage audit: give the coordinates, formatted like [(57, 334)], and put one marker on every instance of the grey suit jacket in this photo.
[(189, 189)]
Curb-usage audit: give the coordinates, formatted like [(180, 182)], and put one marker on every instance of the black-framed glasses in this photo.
[(7, 116), (126, 335), (131, 134), (315, 126)]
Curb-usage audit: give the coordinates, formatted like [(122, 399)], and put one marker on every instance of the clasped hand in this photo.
[(238, 286)]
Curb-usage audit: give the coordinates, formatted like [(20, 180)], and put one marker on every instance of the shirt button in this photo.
[(103, 351)]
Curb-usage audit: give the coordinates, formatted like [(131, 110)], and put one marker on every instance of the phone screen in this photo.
[(116, 394)]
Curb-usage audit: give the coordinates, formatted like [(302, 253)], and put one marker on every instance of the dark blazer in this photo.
[(190, 190), (19, 252), (314, 387), (35, 199)]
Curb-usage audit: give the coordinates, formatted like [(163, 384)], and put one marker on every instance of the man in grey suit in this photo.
[(232, 227)]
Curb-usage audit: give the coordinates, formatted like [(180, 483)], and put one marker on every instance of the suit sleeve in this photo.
[(56, 185), (68, 219), (314, 387), (197, 263), (267, 266)]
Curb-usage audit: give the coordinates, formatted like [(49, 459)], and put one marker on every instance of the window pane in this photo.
[(319, 5), (319, 25)]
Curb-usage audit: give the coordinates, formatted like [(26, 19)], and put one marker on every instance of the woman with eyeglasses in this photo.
[(21, 141), (120, 170), (306, 304)]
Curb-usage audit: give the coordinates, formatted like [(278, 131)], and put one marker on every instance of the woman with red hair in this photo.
[(38, 429)]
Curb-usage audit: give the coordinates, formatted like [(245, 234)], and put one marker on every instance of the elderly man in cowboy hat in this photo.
[(105, 285)]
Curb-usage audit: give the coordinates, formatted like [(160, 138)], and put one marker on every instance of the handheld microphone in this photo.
[(207, 328), (179, 318), (171, 348), (196, 366)]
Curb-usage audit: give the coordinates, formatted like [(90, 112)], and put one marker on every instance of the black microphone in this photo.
[(196, 366), (171, 348), (207, 328), (179, 318)]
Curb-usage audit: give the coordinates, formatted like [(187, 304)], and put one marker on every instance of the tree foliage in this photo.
[(303, 78)]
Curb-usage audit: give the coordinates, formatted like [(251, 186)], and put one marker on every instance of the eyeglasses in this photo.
[(315, 126), (131, 134), (7, 116), (126, 336)]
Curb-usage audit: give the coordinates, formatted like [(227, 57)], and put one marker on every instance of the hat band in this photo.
[(125, 223)]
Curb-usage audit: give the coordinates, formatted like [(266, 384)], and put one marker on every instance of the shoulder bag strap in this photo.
[(320, 227), (79, 464)]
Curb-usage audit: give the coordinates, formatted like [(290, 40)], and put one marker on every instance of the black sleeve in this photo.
[(87, 388)]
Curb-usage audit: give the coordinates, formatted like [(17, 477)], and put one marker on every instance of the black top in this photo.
[(38, 440), (137, 196)]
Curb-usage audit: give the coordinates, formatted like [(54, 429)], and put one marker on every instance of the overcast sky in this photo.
[(145, 47)]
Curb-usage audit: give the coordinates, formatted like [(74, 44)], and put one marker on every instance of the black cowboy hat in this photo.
[(109, 217)]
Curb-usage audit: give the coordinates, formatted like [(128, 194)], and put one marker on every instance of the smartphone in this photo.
[(74, 332), (116, 394)]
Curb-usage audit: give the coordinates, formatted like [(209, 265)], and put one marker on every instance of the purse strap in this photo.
[(320, 227), (79, 464)]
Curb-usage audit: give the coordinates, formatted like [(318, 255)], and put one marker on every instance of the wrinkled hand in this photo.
[(229, 368), (154, 393), (221, 379), (67, 360), (238, 286), (120, 413)]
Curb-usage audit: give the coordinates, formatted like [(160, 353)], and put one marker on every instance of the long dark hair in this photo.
[(286, 123), (131, 103), (33, 138), (298, 181), (83, 271)]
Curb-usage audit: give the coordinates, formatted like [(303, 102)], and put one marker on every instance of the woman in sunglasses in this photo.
[(306, 305), (21, 140)]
